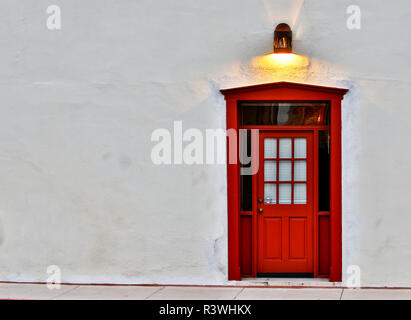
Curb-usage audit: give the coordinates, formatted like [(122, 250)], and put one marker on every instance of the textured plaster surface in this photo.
[(78, 106)]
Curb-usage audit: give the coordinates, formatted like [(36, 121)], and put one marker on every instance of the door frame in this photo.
[(285, 92)]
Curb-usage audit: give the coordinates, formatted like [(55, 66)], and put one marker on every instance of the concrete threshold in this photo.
[(288, 282)]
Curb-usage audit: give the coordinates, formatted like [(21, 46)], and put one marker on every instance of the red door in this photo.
[(285, 202)]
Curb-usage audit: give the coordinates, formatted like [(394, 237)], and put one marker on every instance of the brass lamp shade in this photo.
[(283, 39)]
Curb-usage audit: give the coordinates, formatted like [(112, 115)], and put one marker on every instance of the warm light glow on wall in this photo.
[(276, 61), (283, 58)]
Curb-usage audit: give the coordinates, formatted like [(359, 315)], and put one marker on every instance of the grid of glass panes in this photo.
[(285, 170)]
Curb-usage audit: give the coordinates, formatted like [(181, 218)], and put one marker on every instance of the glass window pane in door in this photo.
[(270, 148), (300, 193), (270, 170), (284, 170), (300, 148), (270, 193), (300, 170), (284, 193), (285, 147)]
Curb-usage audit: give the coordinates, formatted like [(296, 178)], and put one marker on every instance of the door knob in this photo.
[(260, 210)]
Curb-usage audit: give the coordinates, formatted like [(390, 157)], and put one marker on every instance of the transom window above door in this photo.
[(262, 113), (285, 170)]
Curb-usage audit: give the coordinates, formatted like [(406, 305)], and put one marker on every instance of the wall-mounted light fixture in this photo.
[(283, 39)]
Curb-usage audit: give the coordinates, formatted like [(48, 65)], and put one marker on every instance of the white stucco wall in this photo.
[(78, 106)]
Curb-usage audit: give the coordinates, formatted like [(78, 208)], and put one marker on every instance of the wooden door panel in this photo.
[(272, 238), (297, 238)]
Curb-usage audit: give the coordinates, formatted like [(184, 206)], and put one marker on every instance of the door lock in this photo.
[(260, 200)]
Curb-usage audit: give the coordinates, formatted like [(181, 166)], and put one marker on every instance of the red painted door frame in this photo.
[(285, 91)]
